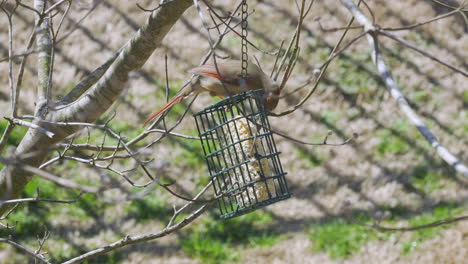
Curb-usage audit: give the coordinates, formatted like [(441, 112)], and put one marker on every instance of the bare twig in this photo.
[(15, 97), (37, 199), (88, 146), (18, 55), (10, 125), (24, 249), (378, 227), (212, 11), (18, 2), (9, 15), (443, 4), (333, 29), (51, 8), (319, 77), (75, 26), (323, 143), (225, 31), (197, 200), (395, 91), (129, 240), (163, 2), (20, 122), (439, 17), (41, 241), (58, 180), (9, 212), (423, 52)]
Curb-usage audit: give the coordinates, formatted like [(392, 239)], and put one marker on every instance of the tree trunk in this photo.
[(35, 146)]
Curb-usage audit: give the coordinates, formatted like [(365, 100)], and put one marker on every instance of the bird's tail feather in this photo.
[(171, 103)]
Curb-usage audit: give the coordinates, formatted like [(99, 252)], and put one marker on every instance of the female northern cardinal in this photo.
[(226, 80)]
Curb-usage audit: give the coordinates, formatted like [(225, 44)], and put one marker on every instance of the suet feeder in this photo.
[(241, 154)]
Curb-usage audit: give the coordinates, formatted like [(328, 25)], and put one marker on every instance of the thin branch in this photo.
[(58, 180), (75, 26), (276, 59), (212, 11), (144, 134), (9, 15), (88, 146), (196, 200), (333, 29), (41, 241), (9, 212), (10, 125), (323, 143), (423, 52), (20, 122), (316, 73), (296, 50), (18, 2), (55, 6), (19, 79), (444, 4), (6, 135), (386, 76), (451, 13), (320, 76), (24, 249), (18, 55), (129, 240), (37, 199), (378, 227), (153, 9)]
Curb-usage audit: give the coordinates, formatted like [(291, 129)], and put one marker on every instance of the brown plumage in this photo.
[(226, 80)]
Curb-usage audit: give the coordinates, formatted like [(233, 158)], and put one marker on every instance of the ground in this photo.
[(389, 169)]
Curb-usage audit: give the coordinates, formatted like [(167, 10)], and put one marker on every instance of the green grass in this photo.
[(96, 136), (420, 96), (465, 124), (357, 81), (31, 217), (340, 238), (314, 160), (217, 241), (112, 257), (17, 134), (441, 212), (391, 142), (15, 137), (178, 109), (330, 116), (465, 96), (427, 179), (192, 152), (149, 208)]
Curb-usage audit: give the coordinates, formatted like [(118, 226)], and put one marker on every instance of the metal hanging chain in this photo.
[(244, 34)]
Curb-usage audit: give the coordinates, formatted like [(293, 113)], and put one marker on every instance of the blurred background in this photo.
[(388, 172)]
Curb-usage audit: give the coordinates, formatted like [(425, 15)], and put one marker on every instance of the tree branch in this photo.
[(98, 99), (29, 252), (128, 240), (87, 82), (386, 76), (44, 46)]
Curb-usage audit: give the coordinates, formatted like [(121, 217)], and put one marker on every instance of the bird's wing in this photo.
[(225, 72)]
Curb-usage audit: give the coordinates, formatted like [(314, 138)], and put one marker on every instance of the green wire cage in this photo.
[(241, 154)]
